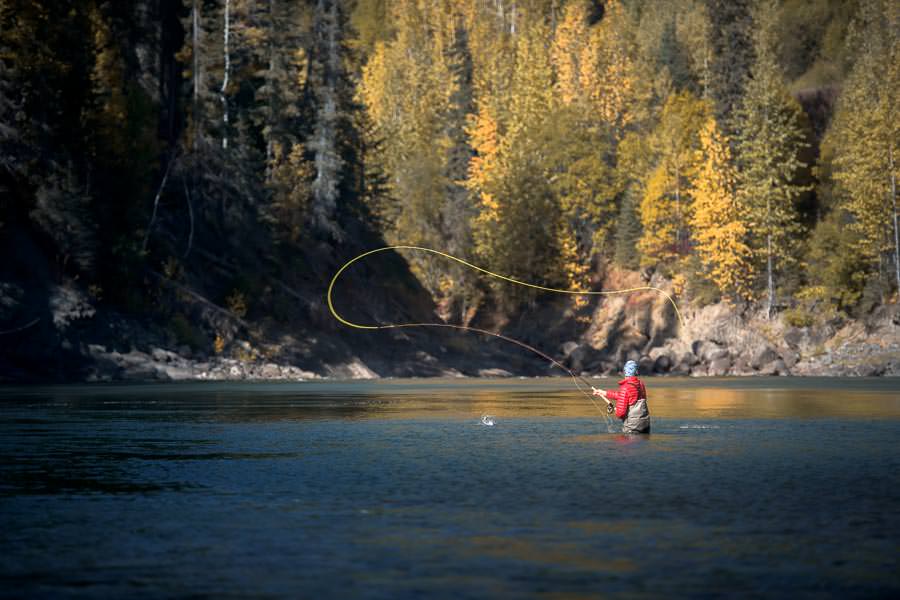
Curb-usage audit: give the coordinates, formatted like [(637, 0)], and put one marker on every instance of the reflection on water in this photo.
[(769, 398), (394, 489)]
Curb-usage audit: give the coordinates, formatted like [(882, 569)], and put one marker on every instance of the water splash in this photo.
[(487, 420)]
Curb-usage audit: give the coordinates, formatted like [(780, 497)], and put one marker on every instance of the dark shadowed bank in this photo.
[(58, 331)]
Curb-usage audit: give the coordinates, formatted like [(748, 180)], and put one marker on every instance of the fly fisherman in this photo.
[(630, 401)]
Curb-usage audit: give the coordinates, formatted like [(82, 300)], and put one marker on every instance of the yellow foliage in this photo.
[(577, 273), (237, 303), (657, 243), (607, 69), (666, 205), (720, 222), (218, 344), (568, 46)]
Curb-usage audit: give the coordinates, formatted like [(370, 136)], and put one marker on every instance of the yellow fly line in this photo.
[(575, 377)]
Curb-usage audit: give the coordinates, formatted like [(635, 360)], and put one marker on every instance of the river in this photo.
[(775, 487)]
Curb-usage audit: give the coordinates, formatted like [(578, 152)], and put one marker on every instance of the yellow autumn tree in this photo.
[(515, 230), (608, 71), (483, 167), (719, 221), (569, 45), (666, 206), (407, 87)]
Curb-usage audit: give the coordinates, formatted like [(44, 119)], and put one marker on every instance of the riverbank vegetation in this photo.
[(747, 150)]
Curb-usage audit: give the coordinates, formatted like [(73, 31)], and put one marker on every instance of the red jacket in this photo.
[(630, 389)]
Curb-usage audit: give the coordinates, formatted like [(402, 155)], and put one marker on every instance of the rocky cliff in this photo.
[(719, 339)]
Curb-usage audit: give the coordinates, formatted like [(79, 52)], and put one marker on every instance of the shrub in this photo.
[(186, 333), (237, 303)]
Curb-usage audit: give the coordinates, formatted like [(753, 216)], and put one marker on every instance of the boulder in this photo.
[(581, 357), (720, 366), (645, 365), (662, 363), (741, 367), (717, 354), (790, 358), (494, 373), (699, 371), (868, 370), (270, 371), (567, 348), (684, 363), (775, 367), (609, 369), (708, 351), (793, 337), (762, 356)]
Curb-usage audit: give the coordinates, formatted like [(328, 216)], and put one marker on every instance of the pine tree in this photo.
[(12, 147), (769, 145), (628, 232), (730, 29), (865, 135), (277, 33), (692, 25), (720, 222)]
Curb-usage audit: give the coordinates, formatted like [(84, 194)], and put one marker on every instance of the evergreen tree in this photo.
[(864, 138), (628, 232), (769, 145), (731, 31)]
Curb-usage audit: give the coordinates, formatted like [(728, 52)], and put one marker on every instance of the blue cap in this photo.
[(630, 369)]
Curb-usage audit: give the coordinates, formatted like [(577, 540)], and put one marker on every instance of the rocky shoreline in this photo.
[(718, 340), (80, 343)]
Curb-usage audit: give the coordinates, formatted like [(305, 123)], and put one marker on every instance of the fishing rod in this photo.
[(575, 378)]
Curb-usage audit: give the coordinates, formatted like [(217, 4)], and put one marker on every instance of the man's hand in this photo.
[(600, 393)]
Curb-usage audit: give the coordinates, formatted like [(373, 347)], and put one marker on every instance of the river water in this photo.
[(396, 489)]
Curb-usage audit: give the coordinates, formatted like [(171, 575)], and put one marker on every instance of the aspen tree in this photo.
[(719, 220), (666, 205)]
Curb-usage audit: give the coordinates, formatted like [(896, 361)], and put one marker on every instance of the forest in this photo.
[(745, 150)]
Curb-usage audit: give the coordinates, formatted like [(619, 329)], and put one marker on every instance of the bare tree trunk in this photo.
[(770, 277), (677, 208), (225, 78), (706, 67), (328, 163), (894, 207), (187, 196), (162, 186), (270, 112), (195, 41)]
